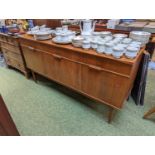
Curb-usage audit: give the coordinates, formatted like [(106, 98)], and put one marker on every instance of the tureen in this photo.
[(42, 35)]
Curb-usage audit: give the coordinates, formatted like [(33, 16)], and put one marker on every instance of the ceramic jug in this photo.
[(87, 27)]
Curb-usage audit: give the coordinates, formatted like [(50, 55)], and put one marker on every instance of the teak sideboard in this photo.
[(97, 76)]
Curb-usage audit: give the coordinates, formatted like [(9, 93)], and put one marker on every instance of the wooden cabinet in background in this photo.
[(53, 23), (11, 49)]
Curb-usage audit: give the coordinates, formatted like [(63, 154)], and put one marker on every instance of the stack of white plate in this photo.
[(140, 36)]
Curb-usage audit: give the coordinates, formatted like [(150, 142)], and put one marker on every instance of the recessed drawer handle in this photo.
[(31, 48), (57, 56), (94, 67)]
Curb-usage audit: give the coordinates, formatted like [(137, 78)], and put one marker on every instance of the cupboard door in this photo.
[(34, 59), (70, 73), (103, 86), (63, 70)]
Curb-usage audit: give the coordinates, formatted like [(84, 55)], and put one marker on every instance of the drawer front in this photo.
[(3, 38), (108, 64), (12, 41), (10, 47), (13, 55), (14, 63)]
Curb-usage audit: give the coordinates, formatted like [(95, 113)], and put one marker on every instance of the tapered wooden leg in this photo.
[(110, 114), (34, 76), (26, 75), (151, 111)]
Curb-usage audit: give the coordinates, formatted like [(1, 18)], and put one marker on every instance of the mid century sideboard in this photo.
[(97, 76)]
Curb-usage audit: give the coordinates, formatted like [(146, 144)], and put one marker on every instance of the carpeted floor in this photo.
[(50, 109)]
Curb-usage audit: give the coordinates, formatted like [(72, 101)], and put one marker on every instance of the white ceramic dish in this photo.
[(55, 40), (118, 52), (105, 33), (101, 47), (140, 36), (86, 44), (119, 35)]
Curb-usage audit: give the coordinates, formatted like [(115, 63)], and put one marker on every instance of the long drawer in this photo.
[(109, 65), (16, 56)]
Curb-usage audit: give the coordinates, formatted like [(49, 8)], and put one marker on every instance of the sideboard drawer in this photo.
[(12, 41), (3, 38), (14, 63), (10, 47), (13, 55)]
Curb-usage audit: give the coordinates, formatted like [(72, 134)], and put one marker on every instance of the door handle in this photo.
[(57, 56), (94, 67)]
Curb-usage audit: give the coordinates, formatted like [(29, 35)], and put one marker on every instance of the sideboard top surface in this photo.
[(80, 50)]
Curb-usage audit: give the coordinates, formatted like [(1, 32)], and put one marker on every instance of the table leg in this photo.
[(151, 111), (110, 114), (34, 76)]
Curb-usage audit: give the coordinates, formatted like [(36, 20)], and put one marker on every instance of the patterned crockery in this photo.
[(94, 44), (86, 44), (131, 52), (119, 35), (109, 48), (118, 52), (105, 33), (101, 47), (126, 40)]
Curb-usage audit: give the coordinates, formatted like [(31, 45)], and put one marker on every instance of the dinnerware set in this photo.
[(116, 45)]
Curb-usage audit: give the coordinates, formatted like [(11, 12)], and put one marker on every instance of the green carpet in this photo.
[(50, 109)]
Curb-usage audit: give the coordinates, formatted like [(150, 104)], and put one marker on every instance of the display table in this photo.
[(97, 76)]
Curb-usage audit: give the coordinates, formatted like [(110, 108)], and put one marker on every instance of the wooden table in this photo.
[(97, 76)]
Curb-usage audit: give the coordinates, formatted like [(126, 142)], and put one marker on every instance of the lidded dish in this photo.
[(77, 41), (41, 35)]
